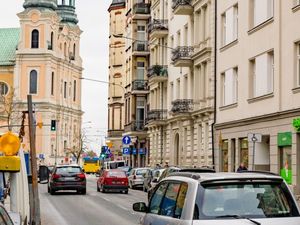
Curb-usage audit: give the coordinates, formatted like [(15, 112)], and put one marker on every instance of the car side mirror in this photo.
[(43, 175), (139, 207)]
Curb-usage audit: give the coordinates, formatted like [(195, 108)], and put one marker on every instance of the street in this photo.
[(94, 208)]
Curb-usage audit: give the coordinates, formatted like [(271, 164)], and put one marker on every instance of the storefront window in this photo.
[(224, 156), (244, 152), (286, 163)]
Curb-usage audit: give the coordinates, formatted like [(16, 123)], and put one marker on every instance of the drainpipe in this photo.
[(215, 89)]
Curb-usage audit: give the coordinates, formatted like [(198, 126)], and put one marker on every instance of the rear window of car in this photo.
[(141, 172), (68, 169), (116, 174), (255, 200)]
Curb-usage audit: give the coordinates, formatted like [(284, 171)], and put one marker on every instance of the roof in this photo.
[(8, 45), (116, 4)]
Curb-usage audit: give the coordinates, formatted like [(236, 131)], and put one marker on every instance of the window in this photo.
[(156, 199), (74, 51), (51, 42), (298, 64), (3, 88), (263, 70), (140, 70), (74, 91), (33, 82), (140, 112), (52, 83), (230, 25), (262, 11), (35, 39), (65, 89), (229, 80)]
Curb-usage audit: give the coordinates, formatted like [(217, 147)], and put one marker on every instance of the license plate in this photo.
[(116, 182), (69, 178)]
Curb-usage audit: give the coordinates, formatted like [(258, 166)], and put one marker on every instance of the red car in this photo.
[(112, 180)]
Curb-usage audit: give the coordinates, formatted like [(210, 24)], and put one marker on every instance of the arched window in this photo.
[(35, 39), (65, 49), (3, 88), (74, 91), (33, 82)]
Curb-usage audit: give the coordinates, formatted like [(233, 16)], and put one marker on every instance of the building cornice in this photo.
[(258, 119)]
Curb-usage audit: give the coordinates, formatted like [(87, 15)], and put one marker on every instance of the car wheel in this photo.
[(102, 189), (126, 192), (52, 192), (83, 191), (98, 189)]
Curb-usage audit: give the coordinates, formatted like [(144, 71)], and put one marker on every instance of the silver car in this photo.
[(220, 198), (136, 177)]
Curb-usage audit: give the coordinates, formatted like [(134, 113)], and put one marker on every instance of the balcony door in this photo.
[(140, 112)]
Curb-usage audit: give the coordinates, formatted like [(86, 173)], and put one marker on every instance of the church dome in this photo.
[(66, 10), (47, 4)]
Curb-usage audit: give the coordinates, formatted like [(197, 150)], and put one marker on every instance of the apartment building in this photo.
[(136, 82), (181, 82), (116, 112), (258, 87), (42, 58)]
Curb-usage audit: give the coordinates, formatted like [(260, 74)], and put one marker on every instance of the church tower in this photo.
[(49, 67)]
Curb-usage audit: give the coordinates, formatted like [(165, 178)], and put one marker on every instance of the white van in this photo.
[(114, 164)]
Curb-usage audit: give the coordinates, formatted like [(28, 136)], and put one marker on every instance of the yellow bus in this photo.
[(91, 165)]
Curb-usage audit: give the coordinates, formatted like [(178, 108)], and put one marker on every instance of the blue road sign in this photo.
[(134, 151), (126, 151), (107, 152), (141, 151), (126, 140)]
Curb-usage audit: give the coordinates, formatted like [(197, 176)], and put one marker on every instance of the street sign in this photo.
[(142, 151), (107, 152), (252, 137), (134, 151), (126, 151), (126, 140)]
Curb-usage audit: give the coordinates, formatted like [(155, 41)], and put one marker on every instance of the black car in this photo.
[(67, 177)]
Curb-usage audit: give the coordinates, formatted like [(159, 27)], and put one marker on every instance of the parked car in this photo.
[(170, 170), (136, 177), (220, 198), (151, 179), (126, 169), (67, 177), (50, 168), (147, 179), (112, 180)]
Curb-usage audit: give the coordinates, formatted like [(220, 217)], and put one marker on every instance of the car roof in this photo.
[(225, 176), (66, 165)]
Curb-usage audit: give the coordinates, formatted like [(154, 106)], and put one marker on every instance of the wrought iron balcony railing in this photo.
[(158, 70), (156, 24), (157, 114), (136, 125), (177, 3), (182, 52), (141, 8), (115, 133), (182, 105), (139, 85)]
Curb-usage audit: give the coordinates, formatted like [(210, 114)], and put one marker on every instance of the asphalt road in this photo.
[(94, 208)]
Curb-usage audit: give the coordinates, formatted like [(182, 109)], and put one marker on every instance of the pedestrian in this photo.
[(157, 166), (166, 164), (242, 167)]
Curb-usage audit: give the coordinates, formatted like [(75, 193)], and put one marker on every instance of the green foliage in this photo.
[(296, 124)]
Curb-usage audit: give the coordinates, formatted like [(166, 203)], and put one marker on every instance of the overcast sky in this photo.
[(94, 22)]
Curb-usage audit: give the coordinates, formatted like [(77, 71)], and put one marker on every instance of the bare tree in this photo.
[(81, 147), (9, 107)]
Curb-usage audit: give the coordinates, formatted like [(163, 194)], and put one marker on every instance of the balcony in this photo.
[(141, 11), (182, 56), (140, 48), (158, 28), (182, 106), (157, 115), (138, 125), (139, 87), (114, 133), (182, 7), (158, 73)]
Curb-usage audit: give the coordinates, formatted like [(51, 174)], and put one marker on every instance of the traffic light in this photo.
[(53, 125)]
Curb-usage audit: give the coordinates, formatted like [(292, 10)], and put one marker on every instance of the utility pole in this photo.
[(35, 217)]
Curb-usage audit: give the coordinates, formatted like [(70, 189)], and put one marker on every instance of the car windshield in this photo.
[(255, 200), (68, 169), (116, 174)]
